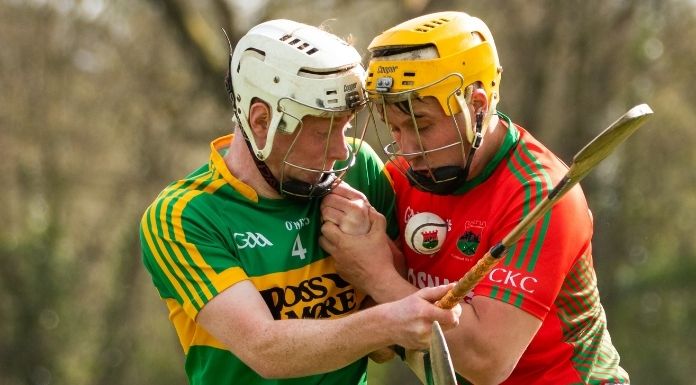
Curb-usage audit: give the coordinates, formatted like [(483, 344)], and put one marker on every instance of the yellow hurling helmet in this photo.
[(461, 46)]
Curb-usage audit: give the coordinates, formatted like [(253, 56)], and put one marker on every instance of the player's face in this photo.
[(317, 146), (426, 136)]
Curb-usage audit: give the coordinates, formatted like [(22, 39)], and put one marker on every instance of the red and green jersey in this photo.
[(209, 231), (548, 273)]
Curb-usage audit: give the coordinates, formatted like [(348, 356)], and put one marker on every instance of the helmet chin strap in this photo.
[(263, 168), (446, 179), (303, 191), (475, 144), (292, 189)]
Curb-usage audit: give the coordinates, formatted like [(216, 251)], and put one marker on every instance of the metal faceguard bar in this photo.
[(331, 114), (391, 149)]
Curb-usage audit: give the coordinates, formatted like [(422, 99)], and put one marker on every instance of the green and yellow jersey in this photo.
[(208, 231)]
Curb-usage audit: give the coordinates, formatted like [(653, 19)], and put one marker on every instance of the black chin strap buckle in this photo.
[(478, 136), (478, 139)]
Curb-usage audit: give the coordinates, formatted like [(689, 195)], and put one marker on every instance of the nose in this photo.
[(338, 149), (408, 142), (402, 131)]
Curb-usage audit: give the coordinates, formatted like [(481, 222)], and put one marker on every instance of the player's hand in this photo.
[(359, 259), (348, 208), (413, 317)]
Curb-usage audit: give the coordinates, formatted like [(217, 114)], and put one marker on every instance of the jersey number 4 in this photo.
[(297, 249)]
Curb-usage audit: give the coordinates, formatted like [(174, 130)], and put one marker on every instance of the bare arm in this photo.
[(490, 339), (239, 318)]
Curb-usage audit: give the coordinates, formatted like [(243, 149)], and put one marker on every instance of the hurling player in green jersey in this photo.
[(536, 318), (232, 248)]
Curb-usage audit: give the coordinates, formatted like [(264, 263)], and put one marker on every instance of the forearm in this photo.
[(316, 346), (239, 318), (388, 286), (372, 263)]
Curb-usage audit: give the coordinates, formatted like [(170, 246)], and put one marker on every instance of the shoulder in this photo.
[(530, 174), (532, 164), (186, 201)]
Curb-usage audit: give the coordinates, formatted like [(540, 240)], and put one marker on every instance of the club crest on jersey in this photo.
[(469, 241), (430, 240)]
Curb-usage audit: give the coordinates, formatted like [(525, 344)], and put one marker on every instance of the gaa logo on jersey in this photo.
[(469, 241), (250, 240)]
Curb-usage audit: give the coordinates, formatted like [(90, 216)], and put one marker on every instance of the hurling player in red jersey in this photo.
[(536, 318)]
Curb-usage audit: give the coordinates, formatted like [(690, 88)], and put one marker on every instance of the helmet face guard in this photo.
[(441, 55), (440, 179), (327, 175), (298, 71)]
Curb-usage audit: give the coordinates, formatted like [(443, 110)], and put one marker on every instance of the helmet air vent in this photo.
[(252, 52), (299, 44), (330, 93), (430, 25), (408, 82)]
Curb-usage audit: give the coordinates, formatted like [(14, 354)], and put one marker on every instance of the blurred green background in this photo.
[(102, 103)]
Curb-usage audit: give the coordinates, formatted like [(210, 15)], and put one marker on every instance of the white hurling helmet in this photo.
[(298, 70)]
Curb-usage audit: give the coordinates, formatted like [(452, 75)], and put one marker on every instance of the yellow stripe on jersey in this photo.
[(220, 166), (177, 261), (168, 189), (228, 278), (294, 277), (193, 294), (158, 258), (190, 248), (189, 332)]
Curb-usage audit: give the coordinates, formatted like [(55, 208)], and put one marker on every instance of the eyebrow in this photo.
[(403, 106)]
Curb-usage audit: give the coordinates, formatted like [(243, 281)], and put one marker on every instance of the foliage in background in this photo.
[(103, 103)]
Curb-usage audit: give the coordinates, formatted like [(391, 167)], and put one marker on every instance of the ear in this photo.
[(259, 118), (479, 100)]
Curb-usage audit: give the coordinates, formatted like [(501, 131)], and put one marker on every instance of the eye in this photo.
[(423, 124)]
